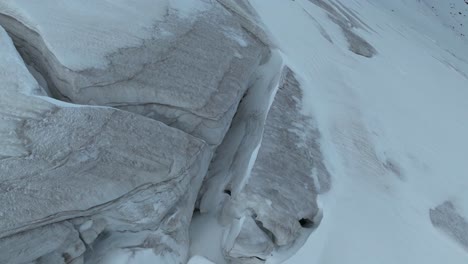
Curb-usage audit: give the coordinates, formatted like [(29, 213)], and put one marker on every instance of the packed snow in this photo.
[(103, 28), (394, 127)]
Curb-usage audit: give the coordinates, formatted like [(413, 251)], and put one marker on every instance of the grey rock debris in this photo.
[(446, 218)]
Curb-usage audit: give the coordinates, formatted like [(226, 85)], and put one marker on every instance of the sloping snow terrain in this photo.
[(233, 131), (393, 126)]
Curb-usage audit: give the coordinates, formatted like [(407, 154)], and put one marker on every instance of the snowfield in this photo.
[(394, 127)]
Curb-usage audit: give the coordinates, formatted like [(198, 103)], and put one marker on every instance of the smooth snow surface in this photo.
[(394, 126), (207, 236), (146, 256), (115, 25), (199, 260), (13, 72)]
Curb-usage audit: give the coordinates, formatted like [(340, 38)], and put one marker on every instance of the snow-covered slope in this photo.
[(337, 130), (394, 127)]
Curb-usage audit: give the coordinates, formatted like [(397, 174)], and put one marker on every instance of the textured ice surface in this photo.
[(188, 71), (74, 149), (123, 171), (93, 29), (39, 242), (288, 173), (83, 182), (268, 170), (123, 182)]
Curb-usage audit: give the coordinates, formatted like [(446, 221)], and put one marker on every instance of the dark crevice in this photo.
[(52, 91), (238, 106), (228, 192), (266, 231), (306, 223), (105, 234), (25, 50)]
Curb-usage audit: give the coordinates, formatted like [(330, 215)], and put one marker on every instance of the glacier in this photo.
[(233, 131)]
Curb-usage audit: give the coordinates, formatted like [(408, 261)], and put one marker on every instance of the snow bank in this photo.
[(394, 128)]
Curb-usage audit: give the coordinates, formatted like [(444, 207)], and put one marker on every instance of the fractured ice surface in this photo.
[(59, 163), (187, 66)]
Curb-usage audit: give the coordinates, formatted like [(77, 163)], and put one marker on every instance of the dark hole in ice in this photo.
[(306, 223), (228, 192), (66, 257)]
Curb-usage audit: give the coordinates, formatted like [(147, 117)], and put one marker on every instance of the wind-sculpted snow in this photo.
[(188, 71), (393, 128), (348, 21)]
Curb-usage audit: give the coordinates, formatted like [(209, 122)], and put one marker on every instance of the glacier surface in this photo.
[(233, 131)]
